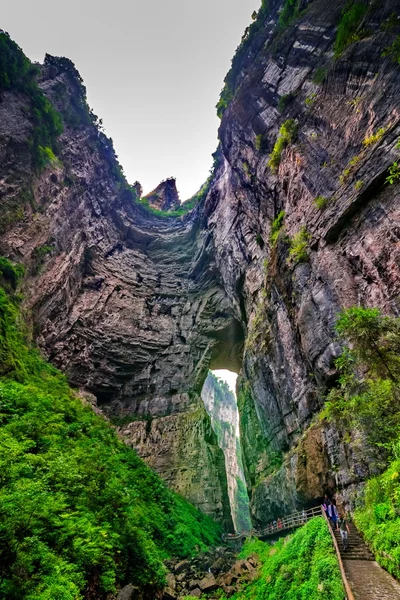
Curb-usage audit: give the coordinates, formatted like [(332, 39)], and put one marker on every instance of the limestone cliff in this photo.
[(136, 307), (220, 403)]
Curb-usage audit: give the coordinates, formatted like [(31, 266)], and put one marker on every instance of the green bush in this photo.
[(319, 76), (369, 140), (321, 202), (348, 26), (367, 394), (302, 566), (394, 173), (79, 510), (285, 100), (287, 133), (276, 227), (298, 251), (289, 12), (16, 71), (378, 516)]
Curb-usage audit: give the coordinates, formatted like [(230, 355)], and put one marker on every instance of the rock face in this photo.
[(220, 403), (164, 196), (136, 307)]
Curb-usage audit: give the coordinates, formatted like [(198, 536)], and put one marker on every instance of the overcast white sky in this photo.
[(153, 72)]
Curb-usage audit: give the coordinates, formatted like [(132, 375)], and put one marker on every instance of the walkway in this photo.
[(292, 521), (367, 579)]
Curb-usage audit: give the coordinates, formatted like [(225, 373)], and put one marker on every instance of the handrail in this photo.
[(346, 584), (295, 519)]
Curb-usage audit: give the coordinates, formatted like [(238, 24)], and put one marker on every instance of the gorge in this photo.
[(135, 299)]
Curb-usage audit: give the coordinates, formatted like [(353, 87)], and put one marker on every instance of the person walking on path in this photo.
[(344, 531), (333, 514)]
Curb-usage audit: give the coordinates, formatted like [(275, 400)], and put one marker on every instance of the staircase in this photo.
[(357, 549), (363, 578)]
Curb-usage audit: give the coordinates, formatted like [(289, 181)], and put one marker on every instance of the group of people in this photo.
[(338, 520)]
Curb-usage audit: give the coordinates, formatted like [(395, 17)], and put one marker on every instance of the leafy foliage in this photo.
[(379, 515), (298, 251), (290, 12), (393, 51), (348, 28), (369, 140), (287, 133), (16, 71), (79, 511), (276, 227), (367, 396), (394, 173), (321, 202), (301, 566)]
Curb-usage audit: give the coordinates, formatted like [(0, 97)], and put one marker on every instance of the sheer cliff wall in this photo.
[(136, 307)]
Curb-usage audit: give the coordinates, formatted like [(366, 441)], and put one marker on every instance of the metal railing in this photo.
[(293, 520)]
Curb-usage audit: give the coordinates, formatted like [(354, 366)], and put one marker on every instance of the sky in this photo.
[(153, 72), (228, 377)]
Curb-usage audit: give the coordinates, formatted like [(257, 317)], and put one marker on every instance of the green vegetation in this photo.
[(393, 51), (287, 133), (394, 173), (319, 76), (290, 12), (349, 27), (285, 100), (230, 80), (298, 251), (379, 515), (369, 140), (311, 99), (276, 227), (261, 143), (321, 202), (242, 503), (79, 511), (302, 566), (367, 394), (358, 184), (349, 169), (17, 72)]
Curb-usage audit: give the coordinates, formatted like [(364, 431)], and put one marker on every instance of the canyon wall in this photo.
[(220, 404), (135, 307)]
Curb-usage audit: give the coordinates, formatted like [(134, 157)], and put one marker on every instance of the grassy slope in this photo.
[(301, 567), (79, 511)]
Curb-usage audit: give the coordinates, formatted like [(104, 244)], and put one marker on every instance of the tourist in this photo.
[(279, 524), (333, 514), (344, 531)]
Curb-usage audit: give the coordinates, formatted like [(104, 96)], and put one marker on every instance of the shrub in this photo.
[(311, 99), (16, 71), (276, 227), (298, 251), (261, 143), (78, 509), (394, 173), (319, 76), (285, 100), (358, 185), (303, 565), (290, 12), (349, 169), (321, 202), (348, 26), (375, 137), (393, 51), (287, 134)]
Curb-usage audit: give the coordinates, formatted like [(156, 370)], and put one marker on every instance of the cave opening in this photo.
[(219, 398)]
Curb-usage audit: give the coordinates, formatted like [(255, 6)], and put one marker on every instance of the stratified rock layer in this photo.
[(136, 307)]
